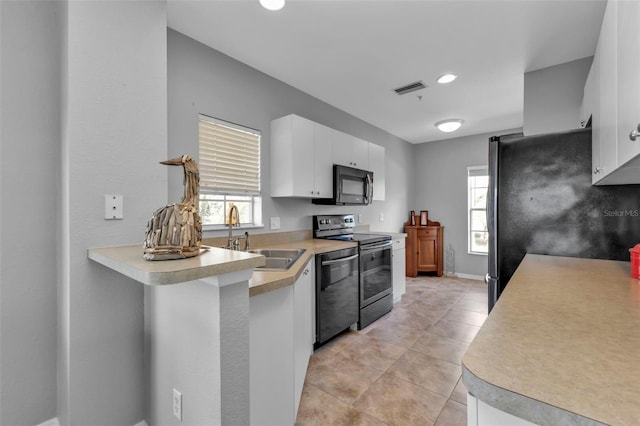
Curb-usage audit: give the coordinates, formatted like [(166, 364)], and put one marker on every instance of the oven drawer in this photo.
[(427, 233)]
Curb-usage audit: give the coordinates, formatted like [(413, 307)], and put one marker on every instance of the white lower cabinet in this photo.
[(482, 414), (399, 276), (280, 344), (303, 336)]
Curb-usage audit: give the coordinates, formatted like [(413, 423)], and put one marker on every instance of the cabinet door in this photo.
[(350, 151), (323, 161), (302, 323), (399, 272), (360, 154), (376, 165), (292, 147), (605, 127), (628, 70), (303, 141), (271, 331), (427, 253)]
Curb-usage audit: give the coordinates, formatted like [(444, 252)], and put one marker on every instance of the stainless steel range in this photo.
[(375, 287)]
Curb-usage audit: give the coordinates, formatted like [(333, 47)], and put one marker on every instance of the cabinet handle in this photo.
[(597, 170), (635, 133)]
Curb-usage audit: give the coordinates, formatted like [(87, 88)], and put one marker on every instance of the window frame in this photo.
[(472, 172), (227, 196)]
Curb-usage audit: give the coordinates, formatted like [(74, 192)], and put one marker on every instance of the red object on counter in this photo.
[(635, 262)]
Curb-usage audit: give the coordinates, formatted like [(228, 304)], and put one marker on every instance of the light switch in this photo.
[(275, 223), (113, 207)]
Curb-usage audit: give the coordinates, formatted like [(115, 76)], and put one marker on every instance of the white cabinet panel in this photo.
[(399, 268), (604, 126), (616, 158), (301, 158), (323, 161), (350, 151), (480, 413), (628, 79), (281, 342), (377, 166), (271, 357)]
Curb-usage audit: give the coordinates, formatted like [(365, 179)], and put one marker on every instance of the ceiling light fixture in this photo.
[(449, 125), (446, 78), (272, 4)]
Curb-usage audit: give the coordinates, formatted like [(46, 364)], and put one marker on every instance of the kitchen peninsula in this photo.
[(561, 346), (202, 314)]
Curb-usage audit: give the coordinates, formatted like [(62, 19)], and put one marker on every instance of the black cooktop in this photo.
[(340, 227), (361, 238)]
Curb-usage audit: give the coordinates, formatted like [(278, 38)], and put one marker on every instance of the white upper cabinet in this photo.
[(376, 165), (350, 151), (303, 153), (301, 158), (616, 157), (628, 81)]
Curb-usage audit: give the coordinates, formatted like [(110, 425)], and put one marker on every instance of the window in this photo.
[(478, 185), (229, 162)]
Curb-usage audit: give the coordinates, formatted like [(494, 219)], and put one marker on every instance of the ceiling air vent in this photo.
[(410, 88)]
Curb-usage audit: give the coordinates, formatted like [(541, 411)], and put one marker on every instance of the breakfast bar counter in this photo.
[(561, 346)]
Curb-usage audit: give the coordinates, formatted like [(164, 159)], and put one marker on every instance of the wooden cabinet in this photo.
[(399, 270), (350, 151), (301, 158), (424, 249), (616, 158)]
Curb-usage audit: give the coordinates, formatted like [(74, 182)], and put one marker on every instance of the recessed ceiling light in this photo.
[(446, 78), (449, 125), (272, 4)]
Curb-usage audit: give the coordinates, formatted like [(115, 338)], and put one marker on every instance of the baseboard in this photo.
[(470, 277), (55, 422), (51, 422)]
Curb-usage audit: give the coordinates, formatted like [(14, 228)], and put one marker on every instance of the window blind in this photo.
[(229, 157)]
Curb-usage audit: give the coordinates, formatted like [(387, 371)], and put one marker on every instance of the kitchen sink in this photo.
[(279, 259)]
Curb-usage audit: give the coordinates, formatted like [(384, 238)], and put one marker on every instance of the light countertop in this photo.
[(562, 345), (129, 261), (265, 281)]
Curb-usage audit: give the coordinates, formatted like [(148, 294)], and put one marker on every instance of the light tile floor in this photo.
[(404, 369)]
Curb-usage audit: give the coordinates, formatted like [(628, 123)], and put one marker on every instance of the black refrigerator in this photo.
[(541, 201)]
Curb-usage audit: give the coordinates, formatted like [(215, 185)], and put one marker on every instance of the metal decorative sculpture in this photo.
[(175, 231)]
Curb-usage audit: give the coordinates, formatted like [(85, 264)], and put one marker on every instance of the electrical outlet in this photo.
[(177, 404), (275, 223), (360, 218), (381, 217), (113, 207)]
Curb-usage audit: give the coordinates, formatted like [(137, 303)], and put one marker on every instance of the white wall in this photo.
[(553, 95), (30, 34), (441, 172), (203, 80), (114, 134)]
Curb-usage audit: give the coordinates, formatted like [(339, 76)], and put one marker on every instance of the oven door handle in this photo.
[(377, 247), (342, 259)]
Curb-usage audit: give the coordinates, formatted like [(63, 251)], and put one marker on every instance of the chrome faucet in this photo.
[(231, 244)]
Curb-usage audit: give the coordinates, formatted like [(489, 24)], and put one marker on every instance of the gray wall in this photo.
[(114, 132), (441, 172), (553, 96), (83, 115), (30, 139), (203, 80)]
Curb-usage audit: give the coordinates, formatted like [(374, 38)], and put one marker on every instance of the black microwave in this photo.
[(350, 187)]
